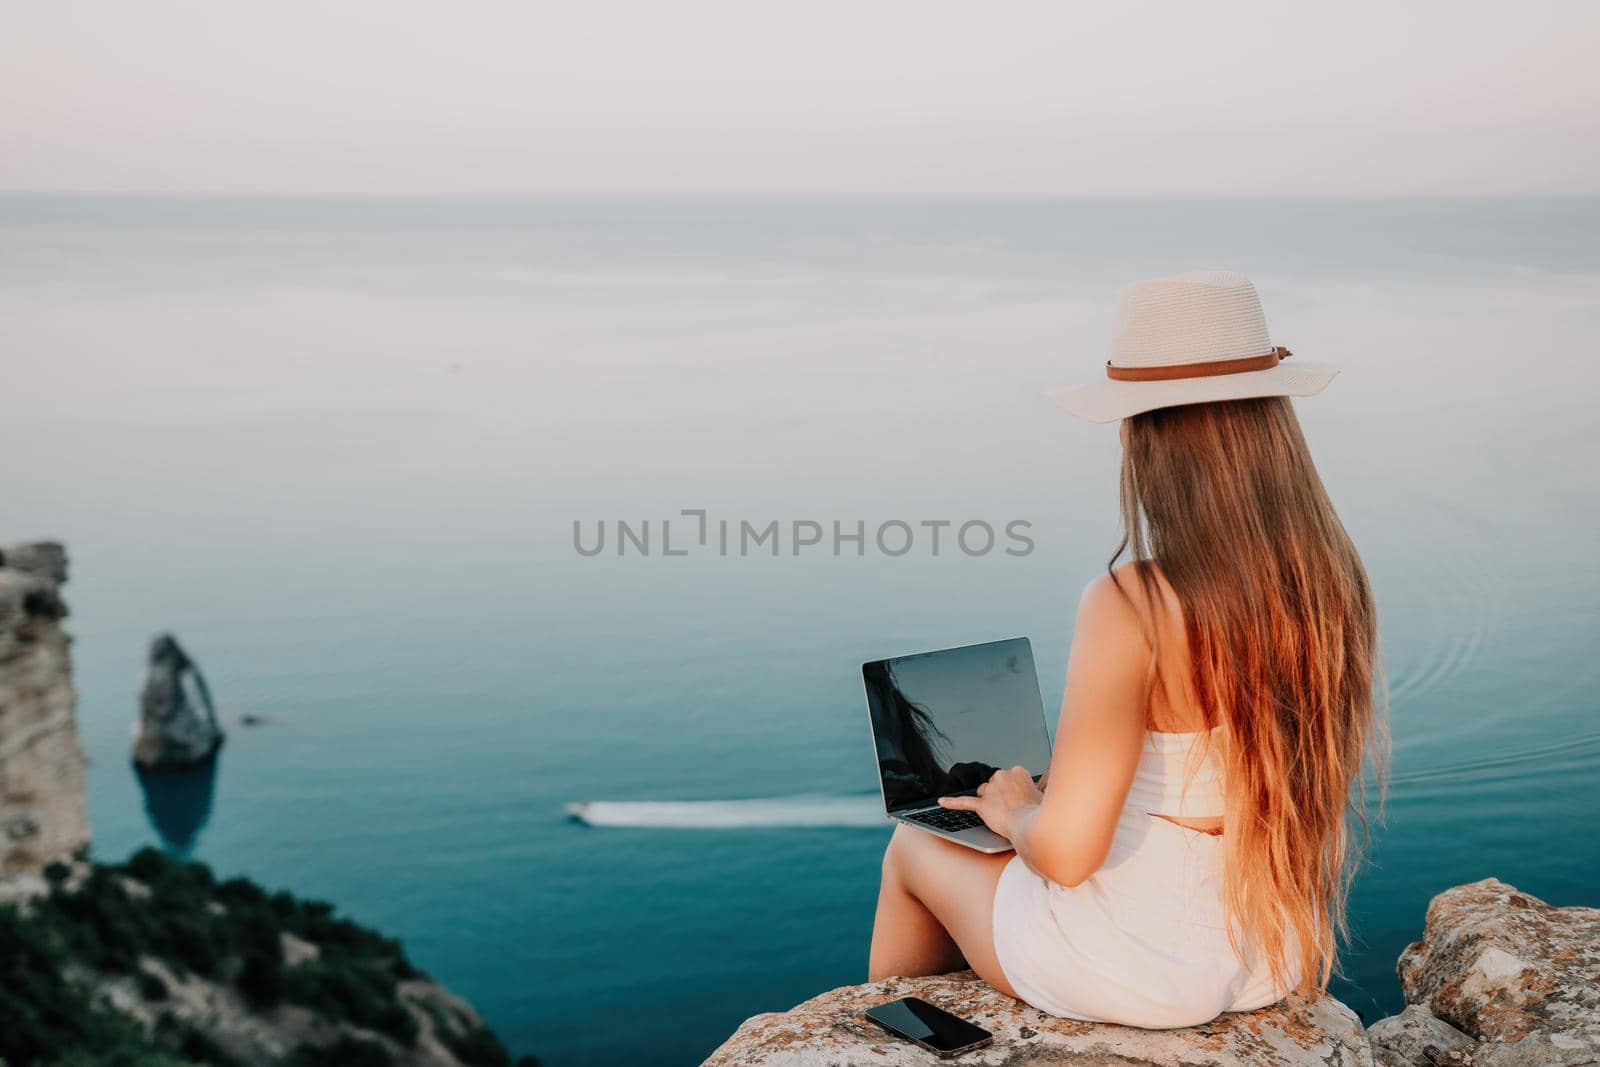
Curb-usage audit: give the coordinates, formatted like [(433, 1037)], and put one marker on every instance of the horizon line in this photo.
[(791, 195)]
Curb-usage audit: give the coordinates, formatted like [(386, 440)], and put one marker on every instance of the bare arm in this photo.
[(1064, 834)]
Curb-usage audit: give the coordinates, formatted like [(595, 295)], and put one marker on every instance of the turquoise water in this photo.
[(339, 446)]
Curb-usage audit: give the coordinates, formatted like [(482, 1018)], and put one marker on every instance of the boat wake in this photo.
[(804, 811), (866, 809)]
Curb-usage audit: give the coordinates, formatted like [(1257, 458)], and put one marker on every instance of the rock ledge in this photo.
[(829, 1030)]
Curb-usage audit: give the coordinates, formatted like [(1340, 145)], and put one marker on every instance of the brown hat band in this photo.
[(1196, 370)]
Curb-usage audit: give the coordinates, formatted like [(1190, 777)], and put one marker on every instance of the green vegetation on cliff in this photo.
[(153, 916)]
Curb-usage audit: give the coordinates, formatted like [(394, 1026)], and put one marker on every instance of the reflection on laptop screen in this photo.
[(945, 721)]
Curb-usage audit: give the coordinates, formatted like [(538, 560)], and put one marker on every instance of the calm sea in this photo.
[(338, 447)]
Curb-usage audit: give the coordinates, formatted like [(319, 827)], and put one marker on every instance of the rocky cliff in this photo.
[(156, 963), (43, 810), (1499, 979)]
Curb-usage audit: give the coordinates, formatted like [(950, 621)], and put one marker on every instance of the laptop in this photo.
[(943, 722)]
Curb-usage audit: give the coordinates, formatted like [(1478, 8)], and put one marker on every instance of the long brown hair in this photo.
[(1282, 637)]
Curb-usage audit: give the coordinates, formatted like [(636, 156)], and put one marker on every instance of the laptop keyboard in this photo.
[(947, 819)]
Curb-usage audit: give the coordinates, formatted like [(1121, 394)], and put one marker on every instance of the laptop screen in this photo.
[(945, 721)]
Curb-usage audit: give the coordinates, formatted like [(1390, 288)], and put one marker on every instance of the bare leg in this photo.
[(935, 910), (906, 937)]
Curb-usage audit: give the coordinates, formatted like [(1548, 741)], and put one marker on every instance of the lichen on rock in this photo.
[(1520, 979), (1406, 1039)]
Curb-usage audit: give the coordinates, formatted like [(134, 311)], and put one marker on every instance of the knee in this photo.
[(891, 854), (902, 852), (894, 852)]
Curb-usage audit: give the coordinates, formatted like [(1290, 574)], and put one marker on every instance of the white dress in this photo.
[(1142, 941)]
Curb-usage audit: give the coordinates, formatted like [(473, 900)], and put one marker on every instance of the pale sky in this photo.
[(703, 97)]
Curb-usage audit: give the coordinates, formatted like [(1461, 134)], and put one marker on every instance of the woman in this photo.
[(1191, 853)]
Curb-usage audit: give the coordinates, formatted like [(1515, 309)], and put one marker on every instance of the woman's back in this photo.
[(1217, 708), (1146, 939), (1174, 721), (1262, 621)]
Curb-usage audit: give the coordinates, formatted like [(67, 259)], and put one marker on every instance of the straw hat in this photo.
[(1186, 340)]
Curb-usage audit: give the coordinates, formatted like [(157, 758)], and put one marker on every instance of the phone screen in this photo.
[(921, 1021)]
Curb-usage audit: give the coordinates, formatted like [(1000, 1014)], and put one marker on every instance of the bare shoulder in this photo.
[(1106, 613), (1124, 601)]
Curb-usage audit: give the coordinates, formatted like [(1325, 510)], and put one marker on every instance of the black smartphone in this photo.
[(933, 1028)]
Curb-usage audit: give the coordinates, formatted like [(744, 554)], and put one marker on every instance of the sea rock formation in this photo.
[(829, 1029), (177, 722), (44, 813), (157, 961), (1515, 979)]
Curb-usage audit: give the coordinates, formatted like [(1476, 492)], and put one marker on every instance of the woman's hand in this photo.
[(1001, 801)]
